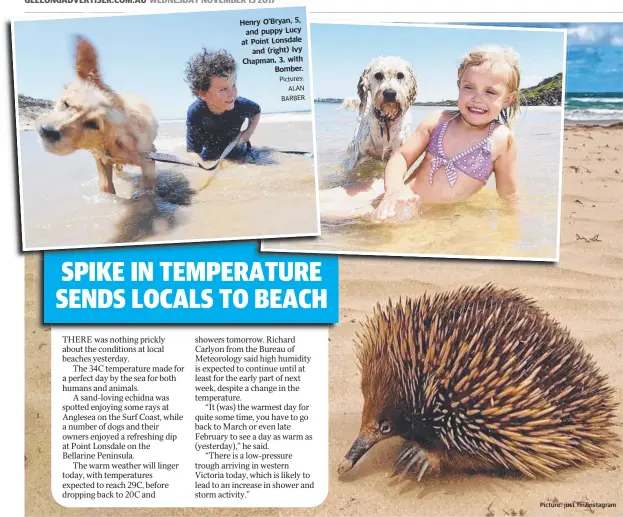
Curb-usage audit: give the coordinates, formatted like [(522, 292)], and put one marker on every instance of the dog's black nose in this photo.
[(50, 133), (389, 95)]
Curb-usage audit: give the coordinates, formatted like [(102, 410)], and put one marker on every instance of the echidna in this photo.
[(482, 379)]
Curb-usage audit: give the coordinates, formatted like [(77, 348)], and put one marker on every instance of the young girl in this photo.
[(463, 147)]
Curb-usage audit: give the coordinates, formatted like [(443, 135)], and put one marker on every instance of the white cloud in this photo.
[(530, 80), (596, 33), (583, 33)]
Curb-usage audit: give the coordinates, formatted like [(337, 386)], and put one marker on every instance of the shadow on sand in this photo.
[(145, 213)]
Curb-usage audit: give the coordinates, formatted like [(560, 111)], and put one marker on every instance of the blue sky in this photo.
[(594, 57), (341, 52), (147, 55)]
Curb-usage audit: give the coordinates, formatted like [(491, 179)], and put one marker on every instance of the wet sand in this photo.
[(582, 291), (276, 195), (481, 226)]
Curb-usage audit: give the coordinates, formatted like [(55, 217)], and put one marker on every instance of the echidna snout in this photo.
[(379, 422), (365, 441)]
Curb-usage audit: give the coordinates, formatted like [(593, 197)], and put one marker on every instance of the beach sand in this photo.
[(582, 291)]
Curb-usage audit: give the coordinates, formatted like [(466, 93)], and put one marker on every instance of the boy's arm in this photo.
[(505, 169), (252, 111), (194, 134), (245, 136)]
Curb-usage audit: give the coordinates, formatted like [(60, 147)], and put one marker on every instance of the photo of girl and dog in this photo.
[(213, 140), (447, 145)]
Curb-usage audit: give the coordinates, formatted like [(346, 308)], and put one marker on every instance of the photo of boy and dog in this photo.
[(185, 157)]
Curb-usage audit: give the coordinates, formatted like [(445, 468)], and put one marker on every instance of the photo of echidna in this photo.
[(480, 379)]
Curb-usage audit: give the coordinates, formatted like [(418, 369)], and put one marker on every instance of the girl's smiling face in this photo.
[(483, 94)]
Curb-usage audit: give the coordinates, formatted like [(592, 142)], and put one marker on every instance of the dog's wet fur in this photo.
[(116, 129)]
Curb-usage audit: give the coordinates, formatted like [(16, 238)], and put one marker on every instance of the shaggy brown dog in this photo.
[(116, 129)]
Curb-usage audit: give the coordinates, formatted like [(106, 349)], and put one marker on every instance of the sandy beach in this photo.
[(582, 291)]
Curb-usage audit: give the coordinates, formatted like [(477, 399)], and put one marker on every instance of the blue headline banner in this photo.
[(208, 283)]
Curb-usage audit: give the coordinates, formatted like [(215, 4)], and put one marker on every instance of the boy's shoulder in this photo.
[(196, 106), (247, 106), (243, 100)]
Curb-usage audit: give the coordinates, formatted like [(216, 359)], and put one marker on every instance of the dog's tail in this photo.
[(351, 104)]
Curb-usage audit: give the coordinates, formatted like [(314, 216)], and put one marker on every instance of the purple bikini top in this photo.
[(476, 161)]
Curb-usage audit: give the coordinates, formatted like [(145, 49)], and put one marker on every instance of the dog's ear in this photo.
[(86, 62), (412, 86), (362, 90)]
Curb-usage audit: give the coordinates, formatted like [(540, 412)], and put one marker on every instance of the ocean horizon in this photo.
[(579, 106)]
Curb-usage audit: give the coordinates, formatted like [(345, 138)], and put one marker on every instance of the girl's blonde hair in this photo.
[(506, 59)]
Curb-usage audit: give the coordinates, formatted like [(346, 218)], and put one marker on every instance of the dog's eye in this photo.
[(378, 76), (66, 104), (91, 124), (400, 75)]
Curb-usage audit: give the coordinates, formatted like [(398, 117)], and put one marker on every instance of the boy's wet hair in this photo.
[(504, 59), (202, 67)]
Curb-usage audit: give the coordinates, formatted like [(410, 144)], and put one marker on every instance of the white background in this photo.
[(12, 264)]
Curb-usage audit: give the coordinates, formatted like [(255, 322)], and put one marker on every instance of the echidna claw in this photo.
[(423, 470), (408, 451), (416, 460), (412, 457)]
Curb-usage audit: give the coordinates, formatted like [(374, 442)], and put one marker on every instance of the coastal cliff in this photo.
[(29, 109)]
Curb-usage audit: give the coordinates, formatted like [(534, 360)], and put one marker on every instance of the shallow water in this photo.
[(63, 207), (480, 226)]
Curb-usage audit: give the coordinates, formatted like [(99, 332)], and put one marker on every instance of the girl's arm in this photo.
[(505, 169), (411, 150), (400, 162)]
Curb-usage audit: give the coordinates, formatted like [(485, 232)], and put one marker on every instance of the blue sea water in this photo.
[(600, 106)]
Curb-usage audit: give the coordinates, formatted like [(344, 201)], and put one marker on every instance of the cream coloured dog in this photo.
[(116, 129), (386, 89)]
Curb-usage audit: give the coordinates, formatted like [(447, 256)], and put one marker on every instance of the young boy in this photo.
[(214, 120)]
